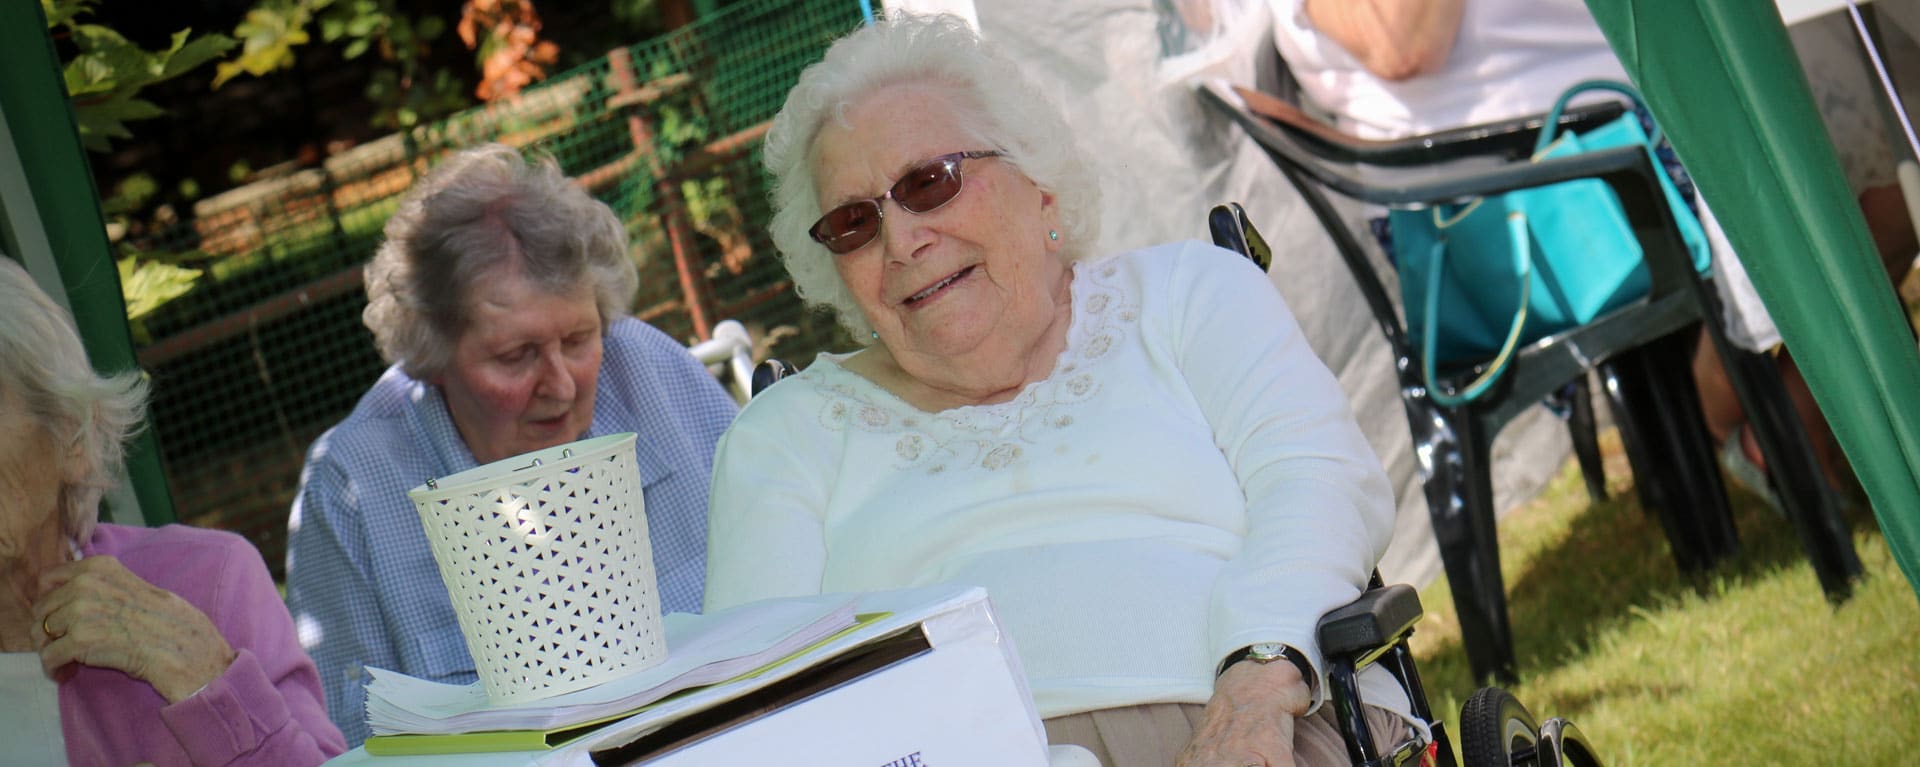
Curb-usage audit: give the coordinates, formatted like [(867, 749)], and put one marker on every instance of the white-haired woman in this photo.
[(1160, 486), (124, 645), (500, 295)]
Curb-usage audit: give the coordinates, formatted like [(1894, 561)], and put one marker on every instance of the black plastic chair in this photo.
[(1642, 353)]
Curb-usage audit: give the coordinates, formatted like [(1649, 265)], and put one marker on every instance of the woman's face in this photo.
[(523, 374), (31, 472), (937, 285)]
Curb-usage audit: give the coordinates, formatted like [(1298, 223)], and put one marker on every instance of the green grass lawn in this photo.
[(1748, 664)]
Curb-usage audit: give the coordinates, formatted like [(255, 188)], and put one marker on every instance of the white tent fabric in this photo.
[(1165, 160)]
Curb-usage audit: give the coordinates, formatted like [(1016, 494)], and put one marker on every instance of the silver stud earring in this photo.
[(1053, 235), (876, 335)]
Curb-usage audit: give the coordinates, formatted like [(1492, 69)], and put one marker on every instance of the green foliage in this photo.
[(130, 194), (635, 13), (268, 36), (407, 91), (60, 12), (148, 283), (707, 199), (105, 76), (682, 128)]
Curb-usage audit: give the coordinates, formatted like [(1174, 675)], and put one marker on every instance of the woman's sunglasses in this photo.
[(921, 190)]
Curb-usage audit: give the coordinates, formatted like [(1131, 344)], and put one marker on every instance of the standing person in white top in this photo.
[(1397, 68), (1136, 454)]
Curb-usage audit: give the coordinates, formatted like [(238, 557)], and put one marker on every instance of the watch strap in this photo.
[(1287, 652)]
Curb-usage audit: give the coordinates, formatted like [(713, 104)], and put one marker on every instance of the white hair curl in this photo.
[(88, 415)]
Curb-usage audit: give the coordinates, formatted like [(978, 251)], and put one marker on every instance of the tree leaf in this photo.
[(268, 37), (195, 52), (63, 11), (110, 60), (88, 75), (96, 126), (149, 285), (100, 120), (93, 37)]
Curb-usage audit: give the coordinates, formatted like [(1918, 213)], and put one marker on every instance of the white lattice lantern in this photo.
[(548, 562)]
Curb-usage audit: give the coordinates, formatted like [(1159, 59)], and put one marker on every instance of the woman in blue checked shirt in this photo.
[(500, 296)]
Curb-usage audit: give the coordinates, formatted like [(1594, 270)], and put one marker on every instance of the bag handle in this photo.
[(1550, 131), (1523, 264)]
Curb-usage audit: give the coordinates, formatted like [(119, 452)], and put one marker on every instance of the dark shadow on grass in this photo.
[(1615, 559), (1575, 703)]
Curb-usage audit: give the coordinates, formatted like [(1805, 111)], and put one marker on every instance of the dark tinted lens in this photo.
[(849, 226), (928, 186)]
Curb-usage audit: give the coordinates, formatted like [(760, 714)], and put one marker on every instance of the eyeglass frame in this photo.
[(951, 161)]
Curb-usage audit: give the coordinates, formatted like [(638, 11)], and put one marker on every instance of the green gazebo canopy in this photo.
[(1722, 76)]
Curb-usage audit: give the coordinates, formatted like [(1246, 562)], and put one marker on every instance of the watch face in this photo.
[(1266, 651)]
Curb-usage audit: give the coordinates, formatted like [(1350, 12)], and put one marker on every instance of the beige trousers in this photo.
[(1153, 734)]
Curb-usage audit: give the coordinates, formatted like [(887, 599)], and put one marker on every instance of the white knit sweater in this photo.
[(1188, 480)]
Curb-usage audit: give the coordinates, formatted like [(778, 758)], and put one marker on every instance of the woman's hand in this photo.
[(1249, 720), (95, 612), (1394, 39)]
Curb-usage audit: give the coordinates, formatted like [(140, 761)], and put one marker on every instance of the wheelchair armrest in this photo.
[(1231, 229), (1378, 618), (768, 373)]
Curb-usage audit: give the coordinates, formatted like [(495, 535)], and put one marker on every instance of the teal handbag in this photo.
[(1481, 279)]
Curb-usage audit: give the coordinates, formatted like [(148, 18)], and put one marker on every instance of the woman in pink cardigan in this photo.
[(122, 645)]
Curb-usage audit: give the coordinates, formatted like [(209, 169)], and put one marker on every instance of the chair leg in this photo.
[(1586, 443), (1659, 412), (1792, 468), (1696, 466), (1460, 499), (1638, 461), (1794, 472)]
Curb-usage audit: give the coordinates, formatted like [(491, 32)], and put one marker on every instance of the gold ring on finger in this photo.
[(45, 627)]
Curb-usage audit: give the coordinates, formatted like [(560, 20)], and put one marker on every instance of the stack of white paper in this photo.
[(701, 650)]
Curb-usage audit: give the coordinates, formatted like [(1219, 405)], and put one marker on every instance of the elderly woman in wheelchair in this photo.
[(1137, 454)]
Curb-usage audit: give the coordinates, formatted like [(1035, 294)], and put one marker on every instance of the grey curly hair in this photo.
[(43, 362), (481, 208), (1013, 115)]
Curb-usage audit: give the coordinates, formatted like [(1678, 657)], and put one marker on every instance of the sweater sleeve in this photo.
[(266, 708), (765, 536), (1320, 510)]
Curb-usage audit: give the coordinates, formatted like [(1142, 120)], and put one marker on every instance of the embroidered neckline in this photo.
[(991, 436)]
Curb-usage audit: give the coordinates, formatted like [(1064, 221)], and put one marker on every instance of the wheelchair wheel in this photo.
[(1496, 731)]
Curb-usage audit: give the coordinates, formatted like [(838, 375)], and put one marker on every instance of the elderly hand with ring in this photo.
[(165, 645)]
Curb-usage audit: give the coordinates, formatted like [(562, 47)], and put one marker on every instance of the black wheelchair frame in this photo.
[(1496, 730)]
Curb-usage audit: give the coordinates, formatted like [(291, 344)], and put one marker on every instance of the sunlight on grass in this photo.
[(1748, 664)]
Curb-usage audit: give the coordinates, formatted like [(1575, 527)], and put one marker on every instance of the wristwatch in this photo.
[(1268, 652)]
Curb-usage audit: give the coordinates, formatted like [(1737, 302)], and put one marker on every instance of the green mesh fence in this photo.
[(266, 349)]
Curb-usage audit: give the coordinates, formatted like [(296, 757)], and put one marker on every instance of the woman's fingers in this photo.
[(1253, 742), (95, 612)]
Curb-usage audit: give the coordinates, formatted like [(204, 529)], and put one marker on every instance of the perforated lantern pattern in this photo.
[(549, 567)]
